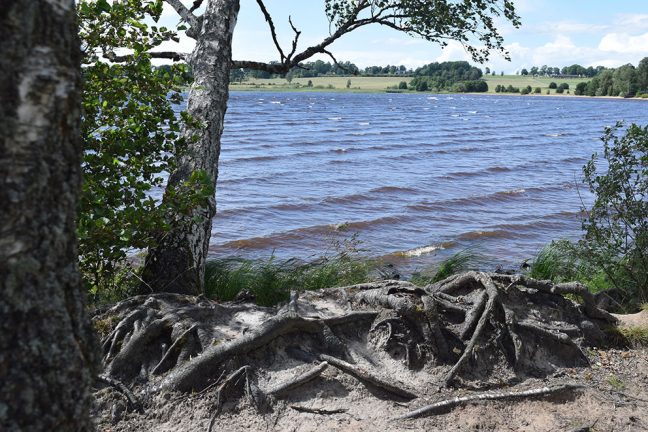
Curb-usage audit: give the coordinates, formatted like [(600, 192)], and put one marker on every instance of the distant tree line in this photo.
[(573, 70), (624, 81), (321, 68), (455, 76)]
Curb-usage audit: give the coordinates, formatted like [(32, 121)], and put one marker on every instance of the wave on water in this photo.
[(391, 189), (335, 118), (419, 251), (315, 232)]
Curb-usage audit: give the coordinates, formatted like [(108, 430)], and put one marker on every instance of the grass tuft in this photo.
[(271, 280), (635, 336), (461, 261)]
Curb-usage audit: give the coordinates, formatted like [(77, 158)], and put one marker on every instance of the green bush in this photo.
[(402, 85), (553, 85), (616, 228), (581, 89)]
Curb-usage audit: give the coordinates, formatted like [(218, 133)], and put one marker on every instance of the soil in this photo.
[(360, 381)]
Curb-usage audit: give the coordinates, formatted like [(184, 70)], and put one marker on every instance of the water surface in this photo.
[(415, 175)]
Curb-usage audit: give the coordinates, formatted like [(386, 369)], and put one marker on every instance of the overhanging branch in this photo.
[(187, 16), (273, 31)]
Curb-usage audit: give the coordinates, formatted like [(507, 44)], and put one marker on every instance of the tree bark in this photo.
[(177, 264), (47, 351)]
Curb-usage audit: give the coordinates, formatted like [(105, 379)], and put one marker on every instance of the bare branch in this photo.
[(287, 64), (273, 31), (294, 42), (335, 62), (186, 15)]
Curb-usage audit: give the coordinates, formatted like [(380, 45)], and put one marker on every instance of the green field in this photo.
[(359, 83), (381, 84)]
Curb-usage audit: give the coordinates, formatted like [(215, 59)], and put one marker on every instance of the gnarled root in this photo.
[(470, 327)]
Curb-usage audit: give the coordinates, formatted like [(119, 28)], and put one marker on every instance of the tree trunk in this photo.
[(177, 264), (46, 345)]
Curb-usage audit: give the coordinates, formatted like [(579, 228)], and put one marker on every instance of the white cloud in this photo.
[(454, 51), (567, 27), (632, 23), (624, 43)]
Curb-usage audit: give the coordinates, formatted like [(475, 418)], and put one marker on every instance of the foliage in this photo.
[(461, 261), (448, 76), (624, 81), (507, 89), (271, 280), (616, 228), (129, 133), (553, 85), (402, 85), (581, 89), (471, 23)]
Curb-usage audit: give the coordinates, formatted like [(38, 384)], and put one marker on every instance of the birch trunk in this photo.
[(46, 347), (178, 263)]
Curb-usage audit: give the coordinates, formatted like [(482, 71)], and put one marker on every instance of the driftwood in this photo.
[(444, 405)]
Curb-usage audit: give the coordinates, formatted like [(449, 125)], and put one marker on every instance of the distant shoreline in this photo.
[(282, 89), (390, 84)]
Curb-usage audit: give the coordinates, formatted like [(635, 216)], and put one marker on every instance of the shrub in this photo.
[(402, 85), (581, 89), (616, 228), (553, 85), (422, 86), (537, 90)]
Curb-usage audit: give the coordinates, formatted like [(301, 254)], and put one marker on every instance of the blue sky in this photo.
[(553, 32)]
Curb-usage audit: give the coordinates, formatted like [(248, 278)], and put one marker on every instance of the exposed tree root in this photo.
[(475, 327), (443, 405), (238, 378), (320, 411), (134, 403), (366, 376), (298, 380)]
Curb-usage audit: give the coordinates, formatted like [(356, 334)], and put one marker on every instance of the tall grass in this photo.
[(271, 280), (461, 261), (564, 261)]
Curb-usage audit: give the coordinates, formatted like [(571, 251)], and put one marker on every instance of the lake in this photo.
[(416, 176)]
